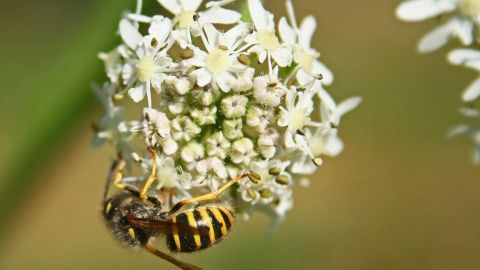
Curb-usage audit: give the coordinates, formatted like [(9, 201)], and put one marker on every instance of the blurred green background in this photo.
[(402, 195)]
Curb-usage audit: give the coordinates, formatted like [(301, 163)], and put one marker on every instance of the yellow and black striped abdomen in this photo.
[(217, 219)]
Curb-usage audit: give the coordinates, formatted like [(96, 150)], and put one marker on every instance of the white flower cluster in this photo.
[(463, 21), (223, 97)]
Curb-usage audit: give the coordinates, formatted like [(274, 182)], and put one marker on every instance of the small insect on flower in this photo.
[(136, 218)]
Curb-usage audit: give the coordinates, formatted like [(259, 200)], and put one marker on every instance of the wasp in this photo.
[(136, 218)]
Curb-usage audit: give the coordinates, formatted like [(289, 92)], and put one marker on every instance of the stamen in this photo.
[(282, 180), (254, 177), (274, 171), (266, 193)]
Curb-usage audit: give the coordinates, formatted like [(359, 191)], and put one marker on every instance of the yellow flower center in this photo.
[(145, 69), (185, 19), (217, 61), (470, 7), (304, 59), (296, 120), (268, 40)]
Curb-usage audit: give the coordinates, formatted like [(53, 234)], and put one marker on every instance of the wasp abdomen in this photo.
[(217, 219)]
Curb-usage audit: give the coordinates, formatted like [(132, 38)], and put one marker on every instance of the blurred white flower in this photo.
[(466, 15), (468, 58)]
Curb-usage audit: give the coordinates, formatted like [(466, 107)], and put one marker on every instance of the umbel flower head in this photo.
[(219, 97), (461, 20)]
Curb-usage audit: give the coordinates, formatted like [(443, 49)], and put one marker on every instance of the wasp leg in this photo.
[(152, 177), (116, 173), (117, 181), (210, 196), (170, 259)]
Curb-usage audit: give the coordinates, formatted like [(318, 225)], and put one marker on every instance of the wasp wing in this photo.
[(165, 226)]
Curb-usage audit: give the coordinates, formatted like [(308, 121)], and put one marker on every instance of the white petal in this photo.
[(190, 5), (203, 77), (472, 92), (137, 94), (160, 28), (225, 81), (202, 167), (307, 29), (334, 146), (320, 68), (302, 165), (287, 33), (220, 15), (182, 36), (304, 77), (476, 155), (464, 31), (139, 18), (347, 106), (169, 147), (465, 57), (232, 36), (459, 130), (283, 56), (470, 112), (212, 36), (326, 99), (157, 81), (437, 38), (289, 142), (219, 168), (171, 5), (130, 34), (418, 10), (260, 52), (260, 17)]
